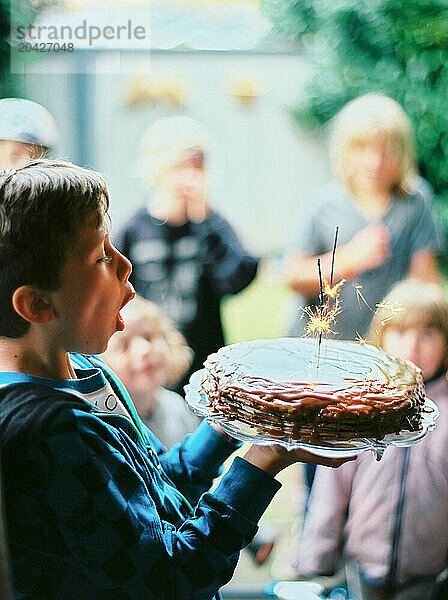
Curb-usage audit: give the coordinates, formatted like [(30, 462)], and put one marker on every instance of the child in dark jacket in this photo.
[(185, 256), (95, 506)]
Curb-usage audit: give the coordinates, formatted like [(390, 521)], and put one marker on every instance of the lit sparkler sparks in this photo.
[(333, 292), (321, 318), (359, 295), (360, 339), (393, 307)]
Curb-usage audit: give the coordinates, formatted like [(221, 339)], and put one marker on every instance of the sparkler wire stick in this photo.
[(321, 287), (332, 258), (321, 301)]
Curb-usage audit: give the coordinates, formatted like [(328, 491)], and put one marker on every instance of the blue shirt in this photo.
[(96, 508)]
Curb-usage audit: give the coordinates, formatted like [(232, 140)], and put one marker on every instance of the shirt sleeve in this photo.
[(228, 265), (307, 237), (425, 230), (195, 462), (106, 524)]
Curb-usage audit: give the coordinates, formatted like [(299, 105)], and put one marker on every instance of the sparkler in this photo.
[(322, 316), (332, 256), (394, 307), (360, 339), (360, 296)]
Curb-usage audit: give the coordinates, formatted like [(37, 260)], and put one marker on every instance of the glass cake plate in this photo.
[(197, 403)]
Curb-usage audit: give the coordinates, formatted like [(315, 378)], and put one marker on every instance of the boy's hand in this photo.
[(221, 431), (273, 459)]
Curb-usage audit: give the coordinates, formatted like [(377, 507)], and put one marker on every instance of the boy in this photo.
[(95, 507)]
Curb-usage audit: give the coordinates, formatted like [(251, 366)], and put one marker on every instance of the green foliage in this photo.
[(5, 80), (20, 12), (397, 47)]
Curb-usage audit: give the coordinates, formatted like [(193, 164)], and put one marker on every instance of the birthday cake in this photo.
[(291, 388)]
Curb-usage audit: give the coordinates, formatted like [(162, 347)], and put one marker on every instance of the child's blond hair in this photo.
[(180, 355), (164, 144), (411, 303), (359, 121)]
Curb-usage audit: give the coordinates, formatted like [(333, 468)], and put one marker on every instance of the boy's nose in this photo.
[(124, 267)]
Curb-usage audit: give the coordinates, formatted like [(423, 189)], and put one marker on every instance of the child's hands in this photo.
[(171, 208), (196, 206), (273, 459), (368, 249)]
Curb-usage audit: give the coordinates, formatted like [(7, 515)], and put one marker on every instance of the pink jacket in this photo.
[(391, 516)]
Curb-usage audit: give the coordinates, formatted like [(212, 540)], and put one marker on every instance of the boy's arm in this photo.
[(195, 462), (104, 512), (230, 268), (105, 522)]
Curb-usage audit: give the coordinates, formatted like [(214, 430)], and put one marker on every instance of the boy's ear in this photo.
[(32, 305)]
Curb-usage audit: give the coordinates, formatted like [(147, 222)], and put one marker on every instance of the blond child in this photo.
[(95, 506), (185, 256), (149, 355), (386, 229), (389, 519)]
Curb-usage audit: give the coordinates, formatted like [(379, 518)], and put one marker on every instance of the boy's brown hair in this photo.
[(43, 206)]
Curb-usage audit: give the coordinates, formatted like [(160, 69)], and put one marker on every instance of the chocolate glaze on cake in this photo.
[(355, 391)]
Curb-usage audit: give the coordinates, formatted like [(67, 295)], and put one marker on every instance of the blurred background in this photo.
[(264, 77)]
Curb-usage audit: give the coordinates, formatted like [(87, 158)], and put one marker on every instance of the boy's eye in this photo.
[(105, 259)]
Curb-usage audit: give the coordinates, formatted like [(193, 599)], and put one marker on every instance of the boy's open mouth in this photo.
[(130, 296)]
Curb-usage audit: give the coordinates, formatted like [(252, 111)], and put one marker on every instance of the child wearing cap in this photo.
[(27, 131)]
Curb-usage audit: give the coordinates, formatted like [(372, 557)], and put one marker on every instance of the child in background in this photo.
[(185, 256), (147, 356), (27, 131), (389, 519), (386, 229), (95, 506)]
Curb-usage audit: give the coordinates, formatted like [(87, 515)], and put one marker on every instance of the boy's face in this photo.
[(371, 165), (424, 346), (94, 287)]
